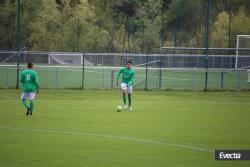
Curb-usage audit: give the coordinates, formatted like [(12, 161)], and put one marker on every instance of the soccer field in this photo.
[(81, 128)]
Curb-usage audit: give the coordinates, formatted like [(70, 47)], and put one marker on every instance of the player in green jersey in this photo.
[(128, 75), (29, 79)]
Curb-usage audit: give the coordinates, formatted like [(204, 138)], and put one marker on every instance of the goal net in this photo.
[(242, 58), (68, 59)]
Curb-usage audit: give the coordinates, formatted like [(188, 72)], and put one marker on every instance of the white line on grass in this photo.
[(6, 97), (68, 132)]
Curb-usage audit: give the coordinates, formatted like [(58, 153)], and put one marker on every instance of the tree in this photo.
[(219, 34), (241, 26), (44, 31), (63, 28), (99, 25), (7, 25)]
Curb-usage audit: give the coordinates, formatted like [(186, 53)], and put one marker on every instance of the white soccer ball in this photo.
[(118, 108)]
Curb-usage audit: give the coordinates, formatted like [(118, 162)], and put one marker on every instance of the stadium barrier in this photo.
[(175, 70), (63, 77)]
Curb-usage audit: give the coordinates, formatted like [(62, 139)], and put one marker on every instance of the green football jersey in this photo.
[(128, 75), (29, 80)]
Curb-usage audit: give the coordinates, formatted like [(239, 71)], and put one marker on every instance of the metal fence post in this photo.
[(238, 80), (146, 82), (112, 79), (103, 78), (206, 72), (160, 74), (102, 60), (56, 76), (194, 79), (83, 70), (222, 80), (198, 62), (18, 42), (7, 77), (207, 42)]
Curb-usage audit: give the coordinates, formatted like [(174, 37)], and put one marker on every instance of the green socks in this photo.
[(24, 103), (31, 105), (129, 99), (124, 98)]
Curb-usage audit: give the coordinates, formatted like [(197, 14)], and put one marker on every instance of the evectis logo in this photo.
[(229, 156), (232, 154)]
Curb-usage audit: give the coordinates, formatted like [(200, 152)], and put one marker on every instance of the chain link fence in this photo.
[(174, 71)]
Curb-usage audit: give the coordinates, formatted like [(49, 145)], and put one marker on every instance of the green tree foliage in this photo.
[(151, 18), (241, 25), (120, 25), (61, 27), (219, 34), (7, 24), (44, 31)]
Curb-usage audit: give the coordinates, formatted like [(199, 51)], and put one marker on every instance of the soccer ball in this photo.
[(118, 108)]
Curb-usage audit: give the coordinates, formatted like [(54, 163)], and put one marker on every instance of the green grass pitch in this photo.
[(81, 128)]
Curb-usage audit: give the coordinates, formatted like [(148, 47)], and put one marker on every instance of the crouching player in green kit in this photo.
[(128, 75), (30, 83)]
